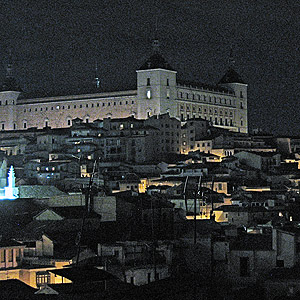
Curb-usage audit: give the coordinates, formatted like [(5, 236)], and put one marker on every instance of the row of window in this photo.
[(9, 253), (210, 99), (6, 102), (81, 106), (205, 110), (149, 82), (216, 121)]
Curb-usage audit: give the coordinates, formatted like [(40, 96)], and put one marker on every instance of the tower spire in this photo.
[(9, 65), (155, 46), (96, 79), (9, 83), (155, 41), (231, 61)]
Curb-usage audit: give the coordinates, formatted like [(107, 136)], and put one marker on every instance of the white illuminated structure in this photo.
[(10, 192)]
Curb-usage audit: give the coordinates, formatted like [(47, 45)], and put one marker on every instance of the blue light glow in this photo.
[(10, 192)]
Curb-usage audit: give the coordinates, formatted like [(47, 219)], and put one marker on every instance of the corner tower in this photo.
[(9, 93), (233, 81), (156, 86)]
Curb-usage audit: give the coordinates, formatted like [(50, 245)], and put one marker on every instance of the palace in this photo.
[(158, 92)]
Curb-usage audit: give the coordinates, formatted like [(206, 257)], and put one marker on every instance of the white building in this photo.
[(158, 92)]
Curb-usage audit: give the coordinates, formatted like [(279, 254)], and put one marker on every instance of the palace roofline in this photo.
[(78, 97)]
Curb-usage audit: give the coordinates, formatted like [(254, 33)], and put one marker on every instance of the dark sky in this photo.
[(55, 45)]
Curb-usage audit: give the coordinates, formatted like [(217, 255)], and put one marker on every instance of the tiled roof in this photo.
[(10, 84), (156, 61), (84, 274), (231, 76), (39, 191), (236, 208), (252, 242), (15, 289), (203, 86), (9, 243)]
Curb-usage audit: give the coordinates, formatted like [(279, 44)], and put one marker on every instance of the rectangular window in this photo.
[(18, 254), (280, 263), (244, 267), (2, 256), (10, 255), (42, 278)]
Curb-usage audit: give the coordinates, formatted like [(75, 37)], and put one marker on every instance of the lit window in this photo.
[(148, 94), (42, 278)]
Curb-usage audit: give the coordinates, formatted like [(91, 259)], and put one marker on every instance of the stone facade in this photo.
[(158, 92)]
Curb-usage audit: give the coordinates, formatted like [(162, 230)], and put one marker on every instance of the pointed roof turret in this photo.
[(10, 83), (156, 60), (96, 79), (231, 76)]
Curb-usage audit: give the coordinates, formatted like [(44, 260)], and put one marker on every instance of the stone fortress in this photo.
[(158, 92)]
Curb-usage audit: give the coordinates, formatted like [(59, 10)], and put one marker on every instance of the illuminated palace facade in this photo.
[(158, 92)]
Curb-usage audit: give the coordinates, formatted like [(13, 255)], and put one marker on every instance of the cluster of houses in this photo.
[(125, 207)]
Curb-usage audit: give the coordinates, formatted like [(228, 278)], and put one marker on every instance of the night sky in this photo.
[(55, 45)]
